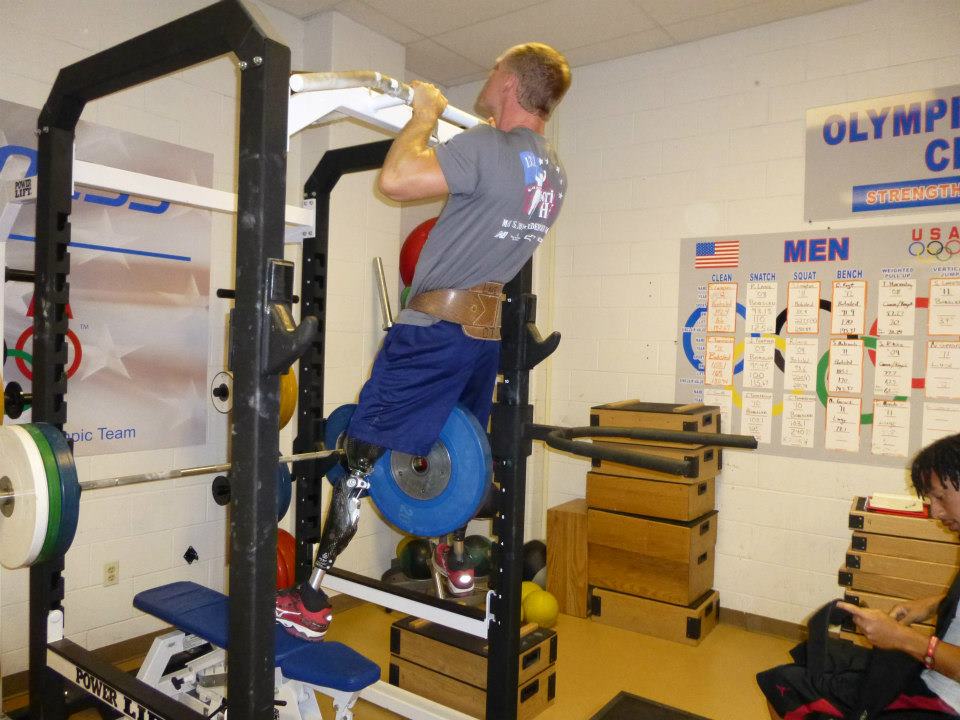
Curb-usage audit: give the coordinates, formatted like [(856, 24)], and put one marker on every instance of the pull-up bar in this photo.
[(310, 82)]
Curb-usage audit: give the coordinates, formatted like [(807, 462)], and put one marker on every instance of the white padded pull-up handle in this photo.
[(310, 82)]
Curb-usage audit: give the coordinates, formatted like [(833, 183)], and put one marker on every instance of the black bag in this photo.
[(862, 680)]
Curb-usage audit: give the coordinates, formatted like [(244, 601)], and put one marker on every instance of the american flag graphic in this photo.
[(718, 254)]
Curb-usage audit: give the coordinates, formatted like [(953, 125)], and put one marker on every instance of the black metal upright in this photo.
[(313, 289), (260, 285), (224, 27), (511, 446)]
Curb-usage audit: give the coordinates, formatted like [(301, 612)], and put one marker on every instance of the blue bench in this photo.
[(204, 613)]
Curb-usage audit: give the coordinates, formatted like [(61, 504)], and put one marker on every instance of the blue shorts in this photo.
[(418, 376)]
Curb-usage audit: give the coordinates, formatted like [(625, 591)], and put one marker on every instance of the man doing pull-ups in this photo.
[(504, 187)]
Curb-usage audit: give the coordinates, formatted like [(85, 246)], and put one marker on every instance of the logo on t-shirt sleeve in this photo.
[(540, 196)]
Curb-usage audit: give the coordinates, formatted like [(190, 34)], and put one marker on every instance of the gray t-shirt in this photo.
[(506, 189)]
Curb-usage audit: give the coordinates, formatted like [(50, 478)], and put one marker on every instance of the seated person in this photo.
[(929, 687)]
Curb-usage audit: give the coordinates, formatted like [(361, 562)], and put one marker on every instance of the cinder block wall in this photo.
[(707, 138)]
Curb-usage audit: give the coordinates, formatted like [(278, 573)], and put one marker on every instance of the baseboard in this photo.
[(762, 624)]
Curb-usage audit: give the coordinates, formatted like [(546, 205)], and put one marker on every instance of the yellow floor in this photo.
[(595, 662)]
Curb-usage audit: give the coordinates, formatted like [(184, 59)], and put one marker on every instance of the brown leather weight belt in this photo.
[(476, 309)]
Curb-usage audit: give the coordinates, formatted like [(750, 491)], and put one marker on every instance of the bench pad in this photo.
[(204, 612)]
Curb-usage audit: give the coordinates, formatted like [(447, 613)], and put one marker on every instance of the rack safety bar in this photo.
[(564, 439)]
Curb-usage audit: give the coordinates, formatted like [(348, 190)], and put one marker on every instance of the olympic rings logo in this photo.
[(935, 248)]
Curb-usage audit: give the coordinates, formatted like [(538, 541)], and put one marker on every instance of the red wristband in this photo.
[(931, 649)]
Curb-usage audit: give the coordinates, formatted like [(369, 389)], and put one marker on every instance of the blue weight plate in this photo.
[(69, 486), (336, 426), (456, 499), (284, 490)]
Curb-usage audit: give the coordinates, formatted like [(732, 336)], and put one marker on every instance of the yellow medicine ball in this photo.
[(288, 396), (541, 607)]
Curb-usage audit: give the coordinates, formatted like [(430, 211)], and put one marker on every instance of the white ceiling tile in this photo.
[(440, 65), (432, 17), (667, 12), (557, 22), (732, 20), (369, 17), (468, 35), (302, 8), (632, 44)]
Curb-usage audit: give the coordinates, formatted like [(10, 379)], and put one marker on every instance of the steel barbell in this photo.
[(40, 491)]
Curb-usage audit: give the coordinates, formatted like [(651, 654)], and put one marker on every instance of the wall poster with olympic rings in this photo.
[(845, 344), (139, 279)]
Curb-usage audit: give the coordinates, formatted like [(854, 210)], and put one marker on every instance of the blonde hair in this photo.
[(543, 74)]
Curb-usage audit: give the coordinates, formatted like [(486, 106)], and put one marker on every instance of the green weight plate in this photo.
[(69, 486), (53, 488)]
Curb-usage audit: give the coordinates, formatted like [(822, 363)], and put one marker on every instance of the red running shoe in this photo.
[(459, 575), (297, 620)]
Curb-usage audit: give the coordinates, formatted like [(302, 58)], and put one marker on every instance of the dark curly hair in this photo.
[(940, 459)]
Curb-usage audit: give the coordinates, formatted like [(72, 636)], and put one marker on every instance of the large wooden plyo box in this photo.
[(675, 499), (686, 624), (944, 553), (706, 459), (664, 560), (450, 667), (859, 580), (567, 559), (898, 525), (898, 567), (657, 416)]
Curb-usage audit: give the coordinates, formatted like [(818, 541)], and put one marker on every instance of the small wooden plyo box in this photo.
[(900, 525), (944, 553), (450, 667), (664, 560), (675, 499), (686, 624), (657, 416), (567, 559), (706, 460)]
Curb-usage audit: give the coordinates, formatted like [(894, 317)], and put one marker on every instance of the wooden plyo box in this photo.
[(685, 624), (533, 697), (900, 567), (675, 499), (664, 560), (657, 416), (464, 656), (860, 580), (883, 603), (908, 548), (705, 457), (899, 525), (567, 559)]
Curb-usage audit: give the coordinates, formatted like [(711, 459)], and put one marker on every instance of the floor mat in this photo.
[(633, 707)]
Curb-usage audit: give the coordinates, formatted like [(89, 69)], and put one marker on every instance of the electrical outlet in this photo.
[(111, 573)]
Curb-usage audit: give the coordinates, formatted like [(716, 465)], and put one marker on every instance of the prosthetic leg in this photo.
[(306, 612), (344, 515)]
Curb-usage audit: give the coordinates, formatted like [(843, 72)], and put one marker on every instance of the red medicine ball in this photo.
[(410, 252)]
